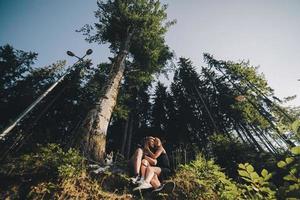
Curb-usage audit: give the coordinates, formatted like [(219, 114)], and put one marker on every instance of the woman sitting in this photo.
[(141, 158), (152, 173)]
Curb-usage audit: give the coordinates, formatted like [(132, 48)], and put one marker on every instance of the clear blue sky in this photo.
[(266, 32)]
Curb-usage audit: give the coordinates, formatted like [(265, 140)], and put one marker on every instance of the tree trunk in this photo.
[(125, 137), (245, 128), (131, 124), (249, 142), (260, 133), (94, 126)]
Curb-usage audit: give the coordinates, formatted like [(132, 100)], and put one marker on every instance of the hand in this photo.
[(146, 151), (152, 161)]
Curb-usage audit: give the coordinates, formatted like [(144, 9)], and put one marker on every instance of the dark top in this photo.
[(163, 161)]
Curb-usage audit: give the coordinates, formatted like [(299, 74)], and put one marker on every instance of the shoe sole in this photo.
[(168, 187), (141, 189)]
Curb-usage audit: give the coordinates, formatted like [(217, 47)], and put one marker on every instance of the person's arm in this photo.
[(157, 153), (151, 161)]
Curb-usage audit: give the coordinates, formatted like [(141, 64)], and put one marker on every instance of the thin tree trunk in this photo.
[(124, 137), (94, 127), (261, 111), (270, 144), (240, 136), (251, 85), (264, 141), (261, 134), (252, 138), (274, 139), (207, 110), (250, 142), (130, 136)]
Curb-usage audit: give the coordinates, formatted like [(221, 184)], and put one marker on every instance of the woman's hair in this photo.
[(147, 140), (157, 142)]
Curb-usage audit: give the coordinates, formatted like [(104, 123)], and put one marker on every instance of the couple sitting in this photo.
[(150, 165)]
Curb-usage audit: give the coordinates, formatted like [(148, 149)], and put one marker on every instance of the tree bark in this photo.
[(94, 126), (125, 137), (130, 136)]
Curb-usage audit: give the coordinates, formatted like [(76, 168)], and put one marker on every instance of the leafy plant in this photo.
[(295, 126), (79, 187), (59, 174), (259, 187), (202, 179), (50, 158), (291, 187)]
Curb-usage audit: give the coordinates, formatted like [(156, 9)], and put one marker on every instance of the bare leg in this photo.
[(155, 181), (144, 166), (136, 161), (150, 172), (151, 178)]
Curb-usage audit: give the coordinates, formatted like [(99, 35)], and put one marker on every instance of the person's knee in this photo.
[(150, 169), (155, 181), (145, 162), (139, 152)]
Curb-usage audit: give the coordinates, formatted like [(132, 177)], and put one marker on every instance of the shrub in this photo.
[(57, 174), (202, 179), (77, 187), (228, 153), (291, 186), (48, 159), (258, 186)]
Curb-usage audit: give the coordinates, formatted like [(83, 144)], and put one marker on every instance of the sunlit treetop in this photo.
[(141, 22)]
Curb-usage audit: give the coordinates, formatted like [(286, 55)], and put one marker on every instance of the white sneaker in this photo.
[(144, 185), (135, 179), (140, 181)]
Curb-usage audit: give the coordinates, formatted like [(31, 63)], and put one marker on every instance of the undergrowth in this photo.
[(51, 173), (202, 179)]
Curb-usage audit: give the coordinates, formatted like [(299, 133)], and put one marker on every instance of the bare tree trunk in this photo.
[(249, 142), (239, 135), (261, 135), (125, 137), (94, 126), (252, 137), (131, 124)]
